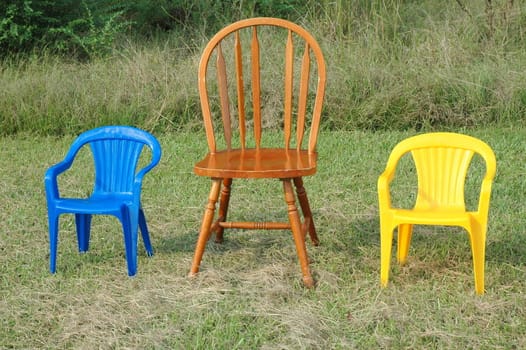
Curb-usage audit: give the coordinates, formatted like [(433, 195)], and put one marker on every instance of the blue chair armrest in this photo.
[(50, 178), (156, 157)]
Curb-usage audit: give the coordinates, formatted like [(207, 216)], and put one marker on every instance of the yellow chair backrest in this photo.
[(442, 160), (441, 174)]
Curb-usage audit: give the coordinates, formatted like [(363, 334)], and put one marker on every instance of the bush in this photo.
[(17, 28), (88, 36), (90, 28)]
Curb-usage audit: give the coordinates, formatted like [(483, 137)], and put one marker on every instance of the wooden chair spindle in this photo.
[(223, 96), (256, 87)]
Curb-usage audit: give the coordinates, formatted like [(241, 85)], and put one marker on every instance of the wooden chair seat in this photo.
[(257, 163)]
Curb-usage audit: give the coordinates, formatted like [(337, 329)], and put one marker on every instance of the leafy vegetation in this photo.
[(392, 64), (89, 28), (31, 25)]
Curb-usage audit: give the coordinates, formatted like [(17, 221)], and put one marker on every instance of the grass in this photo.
[(249, 293)]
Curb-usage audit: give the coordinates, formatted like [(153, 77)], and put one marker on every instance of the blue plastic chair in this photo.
[(117, 189)]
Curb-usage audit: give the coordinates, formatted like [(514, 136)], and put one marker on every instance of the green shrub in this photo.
[(17, 28), (88, 36)]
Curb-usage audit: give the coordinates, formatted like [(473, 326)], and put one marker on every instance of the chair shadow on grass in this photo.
[(433, 249), (186, 243), (234, 240), (358, 241), (431, 246), (509, 249), (363, 239), (268, 247)]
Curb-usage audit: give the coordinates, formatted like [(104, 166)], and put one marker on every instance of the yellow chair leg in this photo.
[(478, 248), (386, 241), (405, 231)]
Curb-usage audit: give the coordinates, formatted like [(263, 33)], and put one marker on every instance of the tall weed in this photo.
[(391, 65)]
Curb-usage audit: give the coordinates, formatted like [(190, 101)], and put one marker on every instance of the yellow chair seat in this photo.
[(435, 217)]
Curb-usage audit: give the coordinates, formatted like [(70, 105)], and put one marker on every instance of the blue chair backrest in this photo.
[(115, 164), (116, 152)]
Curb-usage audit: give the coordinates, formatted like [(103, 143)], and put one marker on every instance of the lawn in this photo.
[(249, 293)]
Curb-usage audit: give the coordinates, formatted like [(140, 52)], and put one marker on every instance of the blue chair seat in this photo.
[(99, 204)]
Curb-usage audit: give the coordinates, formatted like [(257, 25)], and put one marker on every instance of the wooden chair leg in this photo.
[(204, 233), (297, 233), (223, 208), (305, 208)]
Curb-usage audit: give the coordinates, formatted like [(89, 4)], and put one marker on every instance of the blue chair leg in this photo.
[(145, 234), (130, 229), (53, 241), (83, 223)]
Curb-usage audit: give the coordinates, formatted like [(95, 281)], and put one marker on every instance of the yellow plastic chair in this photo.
[(441, 161)]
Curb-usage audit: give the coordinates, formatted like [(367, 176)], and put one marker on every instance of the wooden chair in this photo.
[(442, 161), (236, 112)]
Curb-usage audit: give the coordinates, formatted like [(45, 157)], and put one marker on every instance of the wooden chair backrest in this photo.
[(238, 103)]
